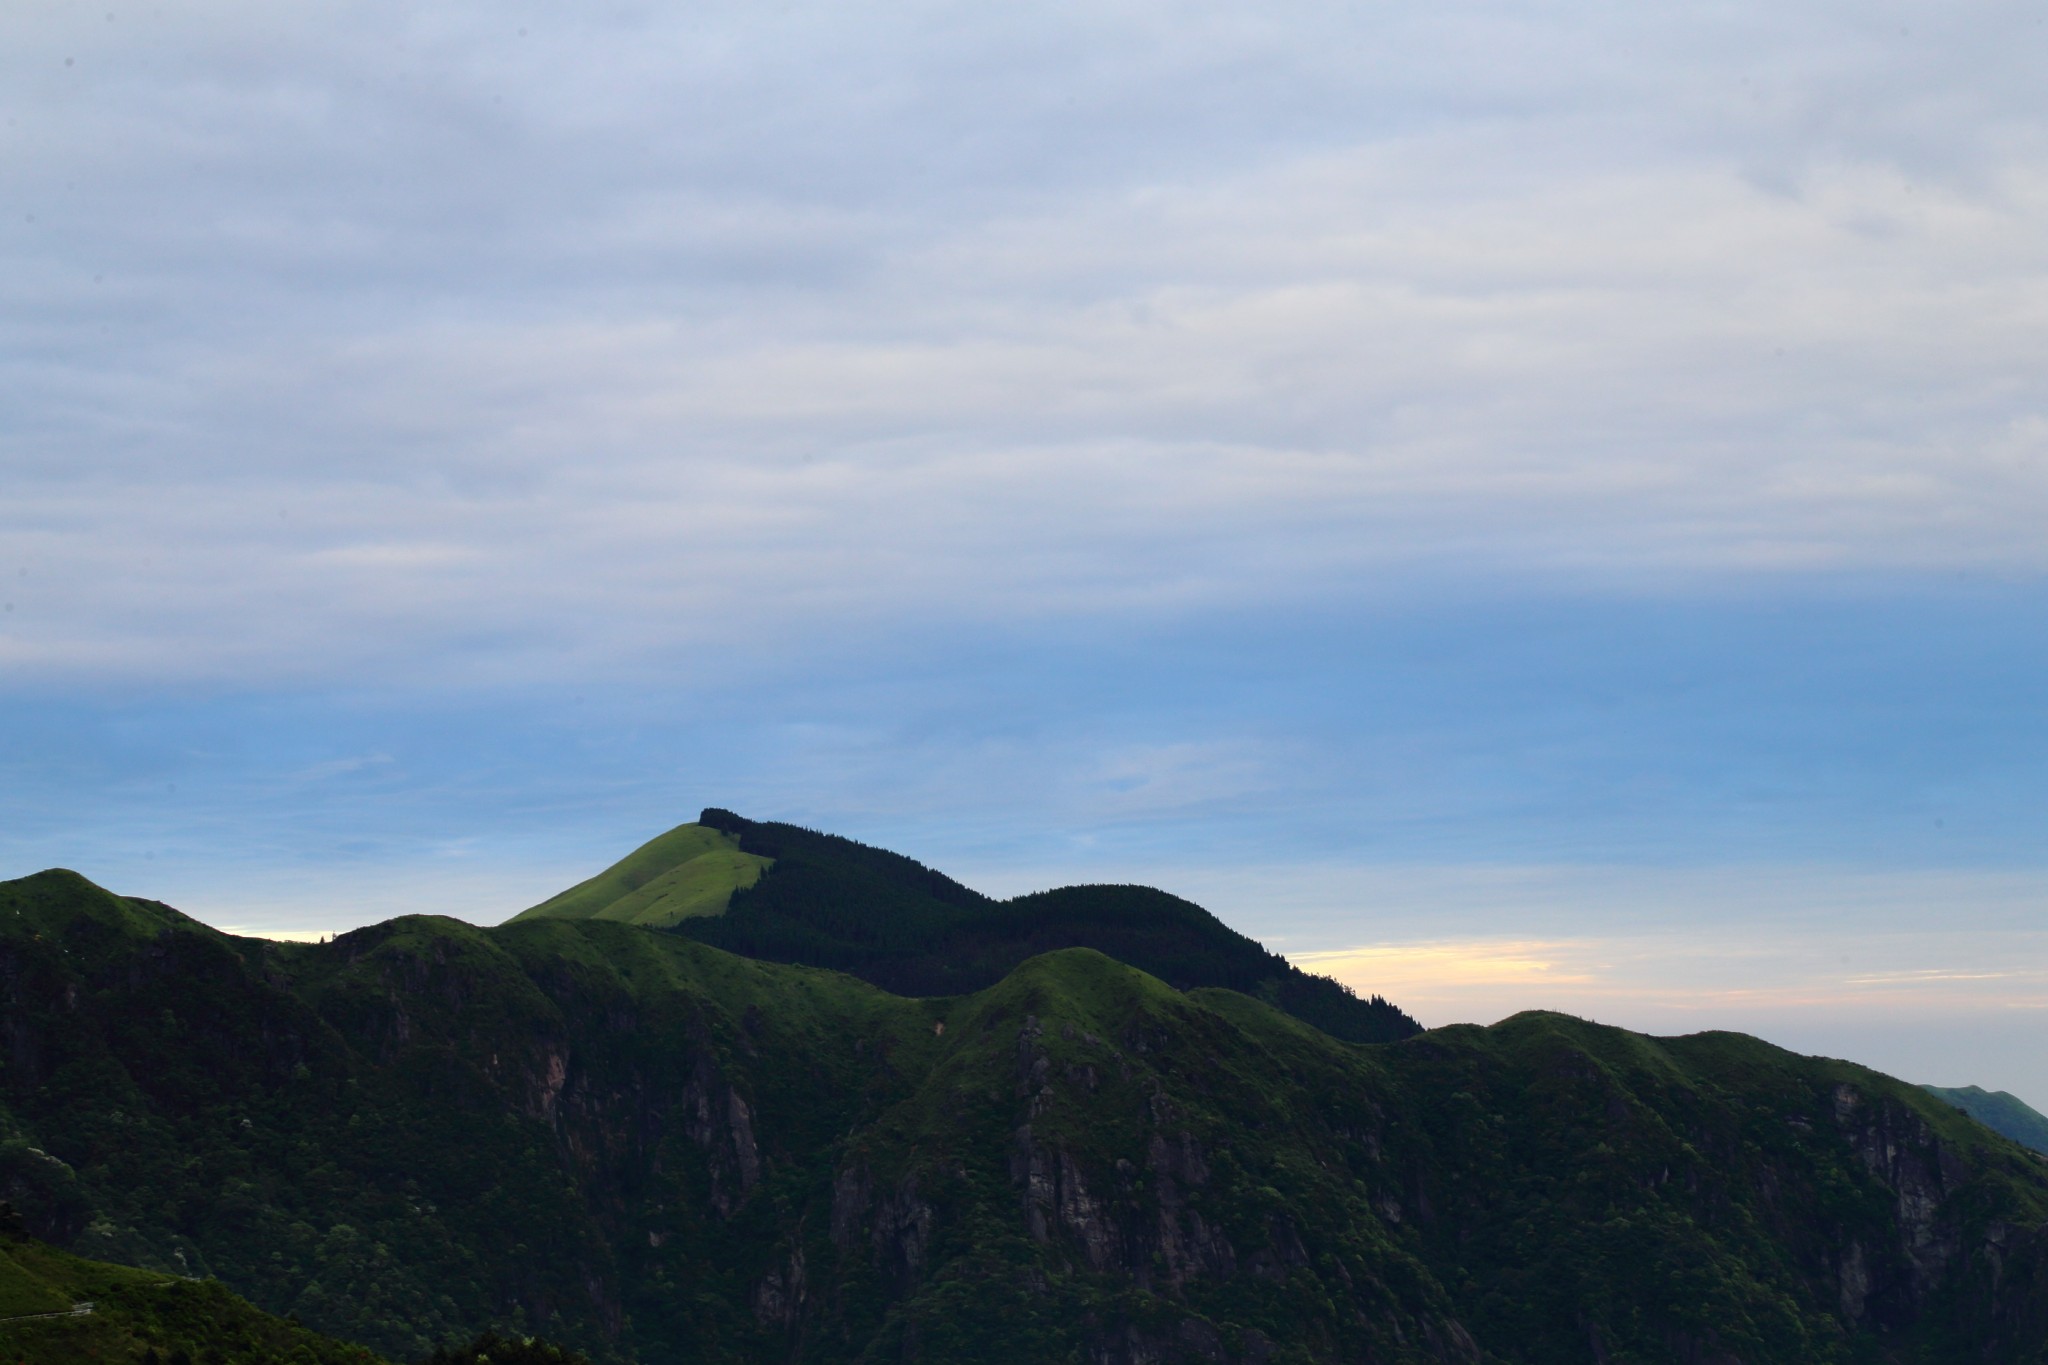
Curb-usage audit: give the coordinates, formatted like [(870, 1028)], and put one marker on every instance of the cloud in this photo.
[(1673, 975), (1089, 436), (1440, 968), (1799, 985), (329, 769), (454, 338)]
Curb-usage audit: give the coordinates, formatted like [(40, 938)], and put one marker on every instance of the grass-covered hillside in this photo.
[(657, 1151), (690, 871), (58, 1309), (825, 901)]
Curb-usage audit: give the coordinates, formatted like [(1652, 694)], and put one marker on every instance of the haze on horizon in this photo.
[(1515, 510)]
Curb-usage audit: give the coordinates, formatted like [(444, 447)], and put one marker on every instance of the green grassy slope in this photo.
[(825, 901), (1999, 1111), (691, 870), (132, 1312), (658, 1151)]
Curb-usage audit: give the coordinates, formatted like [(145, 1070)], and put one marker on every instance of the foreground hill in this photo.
[(1999, 1111), (58, 1309), (789, 894), (662, 1152)]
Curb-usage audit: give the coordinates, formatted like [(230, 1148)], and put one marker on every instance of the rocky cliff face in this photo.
[(661, 1152)]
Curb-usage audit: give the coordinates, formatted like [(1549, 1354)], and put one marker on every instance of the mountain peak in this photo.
[(784, 893), (58, 900), (689, 871), (717, 817)]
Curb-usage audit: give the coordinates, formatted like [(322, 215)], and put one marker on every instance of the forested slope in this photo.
[(789, 894), (59, 1309), (2000, 1112), (661, 1152)]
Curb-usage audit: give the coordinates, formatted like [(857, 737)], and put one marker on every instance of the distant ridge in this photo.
[(783, 893), (2002, 1113)]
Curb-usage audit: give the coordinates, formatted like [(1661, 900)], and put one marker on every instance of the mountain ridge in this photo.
[(828, 901), (2000, 1111), (656, 1150)]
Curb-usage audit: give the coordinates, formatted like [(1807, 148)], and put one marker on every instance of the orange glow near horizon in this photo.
[(1662, 981)]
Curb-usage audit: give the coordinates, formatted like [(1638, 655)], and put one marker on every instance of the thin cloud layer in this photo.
[(460, 341)]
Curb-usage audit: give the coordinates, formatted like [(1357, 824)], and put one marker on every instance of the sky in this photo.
[(1515, 507)]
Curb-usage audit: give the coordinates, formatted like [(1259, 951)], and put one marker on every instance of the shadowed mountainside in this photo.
[(659, 1151), (788, 894), (1999, 1111), (59, 1309)]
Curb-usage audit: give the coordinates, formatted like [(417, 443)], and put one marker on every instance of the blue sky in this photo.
[(1515, 509)]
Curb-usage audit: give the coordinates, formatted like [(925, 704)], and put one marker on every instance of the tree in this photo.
[(492, 1349)]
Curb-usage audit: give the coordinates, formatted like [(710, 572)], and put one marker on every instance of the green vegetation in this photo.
[(652, 1150), (1999, 1111), (824, 901), (690, 871), (58, 1309), (492, 1349)]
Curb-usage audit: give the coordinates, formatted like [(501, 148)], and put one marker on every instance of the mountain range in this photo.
[(672, 1116), (787, 894)]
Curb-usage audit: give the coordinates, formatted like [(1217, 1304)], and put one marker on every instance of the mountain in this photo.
[(2000, 1112), (692, 870), (787, 894), (59, 1309), (658, 1151)]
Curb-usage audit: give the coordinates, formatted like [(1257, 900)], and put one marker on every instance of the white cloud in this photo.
[(373, 339)]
